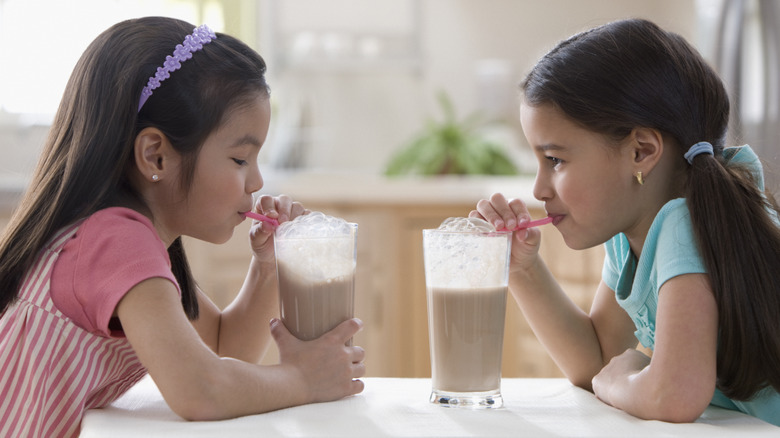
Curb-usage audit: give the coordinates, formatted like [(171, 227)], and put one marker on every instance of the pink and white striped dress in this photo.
[(51, 369)]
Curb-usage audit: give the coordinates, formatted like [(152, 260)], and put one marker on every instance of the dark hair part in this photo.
[(88, 157), (629, 74)]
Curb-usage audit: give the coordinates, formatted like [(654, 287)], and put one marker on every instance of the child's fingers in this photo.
[(281, 207), (513, 211), (346, 330), (356, 387), (284, 206), (280, 333), (260, 233), (499, 211), (297, 209), (267, 206), (519, 209), (358, 354), (358, 370), (486, 211), (261, 240)]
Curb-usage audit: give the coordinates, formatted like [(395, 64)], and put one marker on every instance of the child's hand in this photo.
[(617, 372), (281, 208), (507, 214), (328, 368)]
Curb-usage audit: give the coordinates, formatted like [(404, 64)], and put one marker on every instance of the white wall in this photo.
[(359, 117)]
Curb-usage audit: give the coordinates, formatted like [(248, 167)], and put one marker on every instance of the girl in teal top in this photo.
[(628, 123)]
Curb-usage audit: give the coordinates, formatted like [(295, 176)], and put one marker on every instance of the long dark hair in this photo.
[(87, 160), (630, 74)]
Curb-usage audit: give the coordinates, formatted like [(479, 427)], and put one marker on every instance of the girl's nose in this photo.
[(542, 188), (255, 181)]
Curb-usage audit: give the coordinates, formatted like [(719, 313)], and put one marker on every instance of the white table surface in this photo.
[(400, 407)]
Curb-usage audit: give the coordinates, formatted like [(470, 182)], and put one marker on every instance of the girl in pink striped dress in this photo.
[(157, 137)]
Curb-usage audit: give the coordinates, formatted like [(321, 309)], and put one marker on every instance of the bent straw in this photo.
[(262, 218)]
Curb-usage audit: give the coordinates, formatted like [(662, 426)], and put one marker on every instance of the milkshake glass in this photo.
[(316, 258), (466, 276)]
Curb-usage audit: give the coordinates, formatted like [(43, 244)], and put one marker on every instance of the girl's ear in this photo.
[(648, 147), (154, 154)]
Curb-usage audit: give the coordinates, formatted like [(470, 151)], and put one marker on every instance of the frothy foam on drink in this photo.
[(311, 238), (466, 224), (465, 253), (314, 224)]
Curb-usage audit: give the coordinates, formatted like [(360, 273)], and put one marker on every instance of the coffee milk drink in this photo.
[(466, 276), (315, 266), (467, 330), (311, 308)]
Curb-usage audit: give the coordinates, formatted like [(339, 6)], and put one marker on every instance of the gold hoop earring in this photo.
[(639, 178)]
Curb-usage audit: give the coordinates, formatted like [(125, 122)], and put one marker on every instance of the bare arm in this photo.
[(579, 343), (241, 330), (678, 382), (198, 384)]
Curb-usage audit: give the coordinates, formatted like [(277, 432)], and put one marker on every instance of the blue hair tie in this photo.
[(701, 147)]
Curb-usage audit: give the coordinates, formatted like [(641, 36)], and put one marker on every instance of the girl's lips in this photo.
[(556, 218)]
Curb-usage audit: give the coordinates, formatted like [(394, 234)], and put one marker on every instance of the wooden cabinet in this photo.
[(390, 282)]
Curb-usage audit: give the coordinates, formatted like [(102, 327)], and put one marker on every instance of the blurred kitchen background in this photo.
[(354, 84)]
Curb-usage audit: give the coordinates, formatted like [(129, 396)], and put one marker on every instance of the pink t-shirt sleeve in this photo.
[(112, 251)]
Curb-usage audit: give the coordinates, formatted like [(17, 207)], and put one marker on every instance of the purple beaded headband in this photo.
[(192, 43)]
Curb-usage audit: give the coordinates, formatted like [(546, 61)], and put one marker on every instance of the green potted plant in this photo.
[(451, 147)]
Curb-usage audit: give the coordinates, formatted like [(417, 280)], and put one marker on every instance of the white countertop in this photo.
[(392, 407)]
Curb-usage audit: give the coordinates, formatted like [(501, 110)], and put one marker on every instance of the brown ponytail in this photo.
[(740, 244)]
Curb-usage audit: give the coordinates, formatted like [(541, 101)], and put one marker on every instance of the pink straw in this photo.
[(536, 223), (262, 218)]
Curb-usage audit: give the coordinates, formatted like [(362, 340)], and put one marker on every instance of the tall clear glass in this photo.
[(316, 281), (466, 276)]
